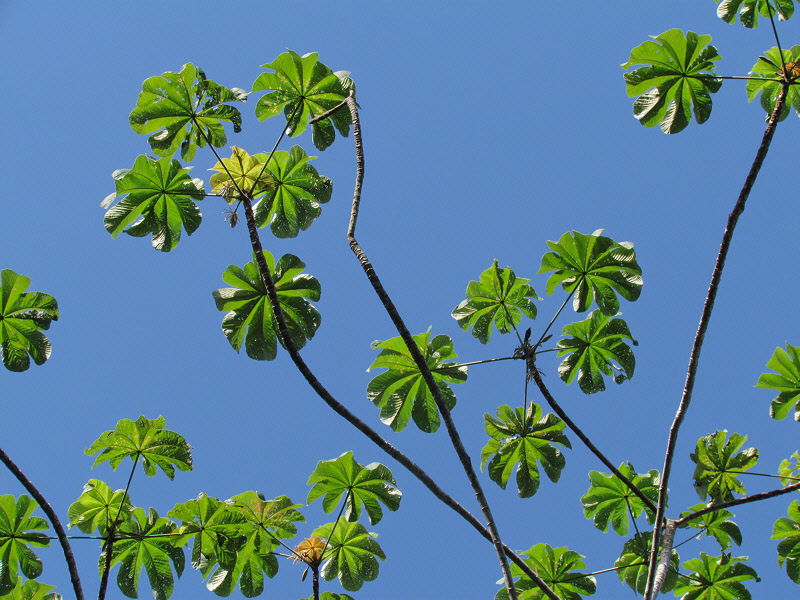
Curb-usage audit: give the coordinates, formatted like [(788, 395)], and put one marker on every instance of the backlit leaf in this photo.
[(611, 502), (18, 532), (632, 564), (719, 465), (749, 10), (785, 381), (351, 554), (557, 567), (98, 506), (715, 578), (766, 76), (716, 524), (788, 530)]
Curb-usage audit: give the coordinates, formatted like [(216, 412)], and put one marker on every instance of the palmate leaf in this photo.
[(401, 392), (788, 530), (302, 87), (716, 524), (23, 317), (611, 502), (523, 440), (719, 465), (332, 596), (351, 554), (679, 77), (499, 299), (186, 110), (294, 203), (144, 543), (32, 590), (98, 506), (556, 566), (251, 321), (789, 469), (785, 381), (766, 74), (596, 348), (145, 438), (749, 10), (155, 197), (213, 527), (365, 486), (594, 267), (240, 172), (18, 532), (632, 564), (715, 578)]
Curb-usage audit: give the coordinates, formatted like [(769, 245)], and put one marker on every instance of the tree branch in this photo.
[(746, 500)]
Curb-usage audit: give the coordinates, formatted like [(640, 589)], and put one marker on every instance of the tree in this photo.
[(589, 384)]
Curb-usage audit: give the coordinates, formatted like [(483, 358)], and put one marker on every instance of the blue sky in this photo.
[(488, 130)]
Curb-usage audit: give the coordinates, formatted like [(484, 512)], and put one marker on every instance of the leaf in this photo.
[(401, 392), (351, 554), (499, 298), (32, 590), (18, 532), (789, 469), (632, 564), (718, 465), (303, 88), (186, 110), (715, 578), (786, 381), (556, 567), (214, 527), (144, 543), (155, 197), (278, 516), (97, 508), (610, 501), (716, 524), (240, 172), (524, 439), (330, 596), (594, 267), (365, 486), (679, 76), (750, 9), (23, 316), (766, 76), (250, 320), (293, 204), (596, 348), (145, 438), (788, 530)]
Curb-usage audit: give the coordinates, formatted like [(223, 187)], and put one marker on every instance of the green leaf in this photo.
[(302, 88), (718, 465), (596, 348), (716, 524), (351, 554), (186, 110), (401, 392), (32, 590), (368, 486), (250, 320), (632, 564), (788, 530), (789, 469), (294, 203), (499, 298), (715, 578), (330, 596), (679, 76), (243, 172), (766, 76), (23, 316), (610, 501), (750, 9), (786, 381), (556, 566), (18, 532), (97, 507), (144, 543), (594, 267), (524, 439), (278, 516), (214, 527), (145, 438), (155, 197)]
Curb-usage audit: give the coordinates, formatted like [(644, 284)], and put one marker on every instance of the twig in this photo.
[(746, 500)]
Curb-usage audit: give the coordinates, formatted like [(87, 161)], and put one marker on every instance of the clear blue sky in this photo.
[(488, 129)]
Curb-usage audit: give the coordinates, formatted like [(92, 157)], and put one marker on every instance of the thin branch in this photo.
[(777, 39), (587, 442), (694, 359), (51, 514), (413, 349), (488, 360), (746, 500), (328, 113)]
